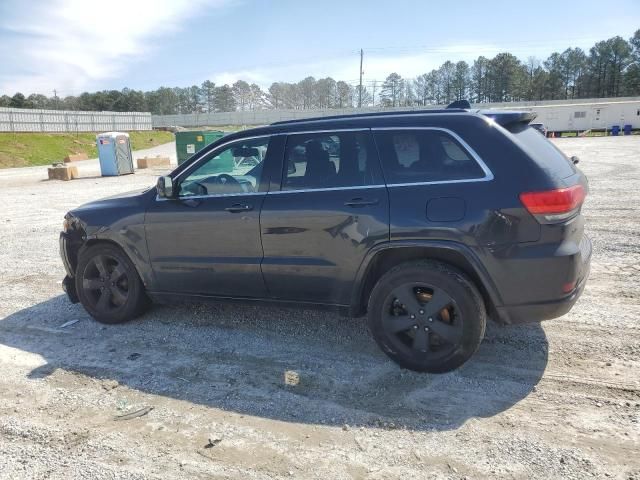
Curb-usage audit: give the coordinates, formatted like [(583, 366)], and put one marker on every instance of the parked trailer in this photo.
[(587, 116)]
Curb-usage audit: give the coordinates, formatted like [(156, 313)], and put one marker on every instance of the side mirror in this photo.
[(575, 160), (165, 187)]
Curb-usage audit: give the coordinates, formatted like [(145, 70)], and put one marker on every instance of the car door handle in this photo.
[(239, 207), (361, 202)]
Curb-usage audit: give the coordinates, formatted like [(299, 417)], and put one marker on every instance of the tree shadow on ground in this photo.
[(235, 357)]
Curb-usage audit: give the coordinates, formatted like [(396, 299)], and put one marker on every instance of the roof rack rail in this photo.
[(373, 114)]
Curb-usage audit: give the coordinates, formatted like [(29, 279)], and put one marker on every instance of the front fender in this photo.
[(120, 223)]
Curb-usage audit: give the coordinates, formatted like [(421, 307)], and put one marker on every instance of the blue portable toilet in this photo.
[(615, 130), (114, 153), (627, 129)]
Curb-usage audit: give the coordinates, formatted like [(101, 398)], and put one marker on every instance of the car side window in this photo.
[(329, 160), (411, 156), (237, 168)]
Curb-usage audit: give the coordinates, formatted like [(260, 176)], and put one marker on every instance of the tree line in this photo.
[(610, 68)]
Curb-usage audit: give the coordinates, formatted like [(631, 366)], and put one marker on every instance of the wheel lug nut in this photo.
[(421, 312), (415, 327), (426, 329), (413, 316), (430, 319)]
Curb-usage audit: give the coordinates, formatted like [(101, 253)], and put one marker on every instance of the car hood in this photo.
[(126, 200), (119, 199)]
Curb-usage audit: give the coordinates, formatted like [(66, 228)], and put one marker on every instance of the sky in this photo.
[(72, 46)]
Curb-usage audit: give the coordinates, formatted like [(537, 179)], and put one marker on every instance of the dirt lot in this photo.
[(557, 400)]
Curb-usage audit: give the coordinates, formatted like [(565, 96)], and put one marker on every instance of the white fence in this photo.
[(256, 117), (24, 120), (557, 114)]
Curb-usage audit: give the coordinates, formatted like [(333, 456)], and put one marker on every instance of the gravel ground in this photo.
[(556, 400)]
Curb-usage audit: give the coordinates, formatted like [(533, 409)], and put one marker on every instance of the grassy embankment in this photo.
[(30, 149)]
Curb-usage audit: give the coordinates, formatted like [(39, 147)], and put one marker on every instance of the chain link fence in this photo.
[(59, 121)]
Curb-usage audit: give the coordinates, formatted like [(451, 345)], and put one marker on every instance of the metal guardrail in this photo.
[(26, 120)]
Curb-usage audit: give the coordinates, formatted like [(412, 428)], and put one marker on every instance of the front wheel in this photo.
[(108, 284), (427, 316)]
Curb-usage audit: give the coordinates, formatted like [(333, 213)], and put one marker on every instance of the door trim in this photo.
[(327, 189), (215, 195)]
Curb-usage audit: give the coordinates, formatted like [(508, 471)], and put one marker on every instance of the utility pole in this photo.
[(55, 98), (360, 89), (374, 85)]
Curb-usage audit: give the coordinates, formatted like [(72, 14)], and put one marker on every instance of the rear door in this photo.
[(331, 209), (436, 184)]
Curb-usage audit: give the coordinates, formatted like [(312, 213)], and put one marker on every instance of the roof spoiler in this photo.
[(501, 117), (460, 104), (509, 117)]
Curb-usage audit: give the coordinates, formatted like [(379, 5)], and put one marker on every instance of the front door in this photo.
[(207, 241), (599, 118), (331, 210)]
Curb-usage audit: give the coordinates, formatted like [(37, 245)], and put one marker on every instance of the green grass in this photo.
[(30, 149)]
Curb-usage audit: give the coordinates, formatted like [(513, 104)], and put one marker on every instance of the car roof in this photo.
[(381, 119), (355, 121)]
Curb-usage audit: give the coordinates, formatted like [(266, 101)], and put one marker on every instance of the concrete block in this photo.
[(151, 162), (63, 172), (75, 157)]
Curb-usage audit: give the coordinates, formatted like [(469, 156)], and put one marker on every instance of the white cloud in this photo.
[(72, 45)]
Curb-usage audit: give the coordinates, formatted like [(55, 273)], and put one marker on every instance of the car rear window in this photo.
[(427, 155), (543, 152)]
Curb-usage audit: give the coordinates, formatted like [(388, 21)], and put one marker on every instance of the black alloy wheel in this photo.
[(422, 318), (108, 284), (427, 316), (105, 282)]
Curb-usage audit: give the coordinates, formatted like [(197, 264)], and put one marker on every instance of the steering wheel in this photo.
[(227, 180)]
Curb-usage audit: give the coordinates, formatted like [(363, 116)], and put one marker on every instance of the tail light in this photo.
[(556, 205)]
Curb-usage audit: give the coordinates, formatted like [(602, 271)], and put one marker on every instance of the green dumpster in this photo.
[(188, 143)]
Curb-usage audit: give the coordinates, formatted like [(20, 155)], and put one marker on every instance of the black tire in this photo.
[(453, 333), (108, 284)]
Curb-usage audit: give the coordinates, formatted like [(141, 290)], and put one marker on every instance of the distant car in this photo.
[(540, 127), (427, 221)]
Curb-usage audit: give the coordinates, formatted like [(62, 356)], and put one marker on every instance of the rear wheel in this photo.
[(108, 284), (427, 316)]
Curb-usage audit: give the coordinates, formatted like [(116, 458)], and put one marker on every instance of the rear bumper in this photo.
[(538, 311)]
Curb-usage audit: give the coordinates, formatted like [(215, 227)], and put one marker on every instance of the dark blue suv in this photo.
[(426, 221)]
